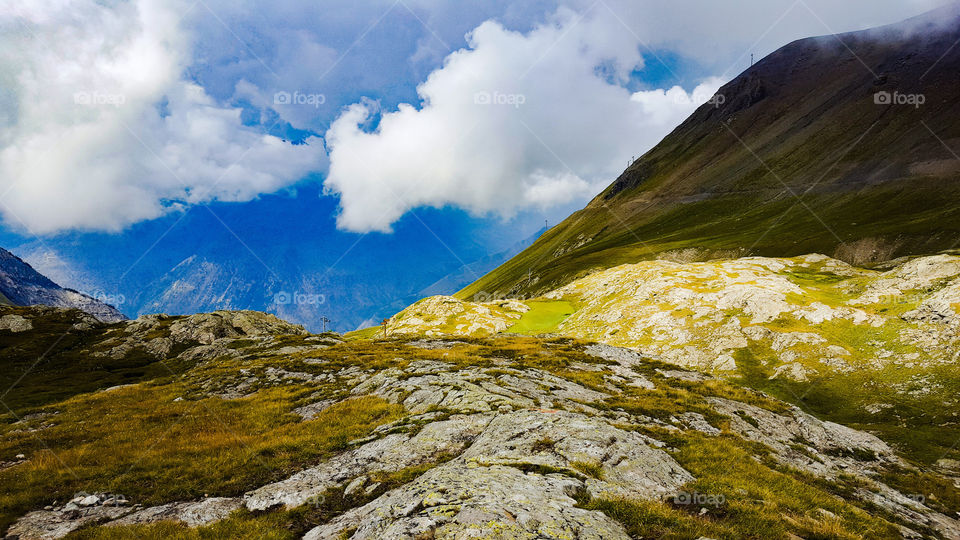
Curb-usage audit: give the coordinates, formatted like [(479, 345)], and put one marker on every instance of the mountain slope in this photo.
[(21, 285), (268, 432), (795, 156), (254, 259), (875, 350)]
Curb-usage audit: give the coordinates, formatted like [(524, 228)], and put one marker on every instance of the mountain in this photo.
[(267, 431), (281, 254), (21, 285), (845, 145), (874, 349)]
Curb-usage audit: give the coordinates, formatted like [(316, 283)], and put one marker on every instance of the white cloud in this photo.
[(104, 131), (64, 165), (515, 120)]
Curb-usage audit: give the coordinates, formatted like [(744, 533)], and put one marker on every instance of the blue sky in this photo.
[(119, 120)]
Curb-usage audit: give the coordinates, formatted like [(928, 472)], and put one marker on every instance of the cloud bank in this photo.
[(515, 120), (117, 111), (101, 130)]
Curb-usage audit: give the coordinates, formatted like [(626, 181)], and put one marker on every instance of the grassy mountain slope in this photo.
[(873, 349), (799, 158)]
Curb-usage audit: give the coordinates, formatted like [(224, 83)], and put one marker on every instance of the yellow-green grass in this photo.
[(544, 317), (142, 443), (279, 524), (372, 332), (738, 496), (240, 525)]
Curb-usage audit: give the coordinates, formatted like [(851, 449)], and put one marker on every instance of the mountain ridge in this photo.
[(21, 285), (795, 156)]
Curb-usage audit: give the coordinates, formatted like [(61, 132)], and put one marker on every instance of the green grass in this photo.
[(589, 468), (364, 333), (543, 318), (240, 525), (728, 226)]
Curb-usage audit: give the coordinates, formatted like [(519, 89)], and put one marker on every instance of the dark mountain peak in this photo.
[(21, 285)]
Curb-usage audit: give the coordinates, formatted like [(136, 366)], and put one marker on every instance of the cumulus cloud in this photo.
[(515, 120), (101, 129)]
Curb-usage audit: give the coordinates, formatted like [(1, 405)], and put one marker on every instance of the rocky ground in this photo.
[(875, 348), (806, 315), (264, 431)]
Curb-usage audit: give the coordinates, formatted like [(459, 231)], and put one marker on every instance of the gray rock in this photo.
[(391, 453), (52, 524), (15, 323), (194, 514), (629, 466), (698, 422), (837, 448), (355, 486), (461, 500), (309, 412)]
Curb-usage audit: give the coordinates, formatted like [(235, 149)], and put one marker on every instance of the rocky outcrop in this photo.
[(491, 447), (158, 335), (464, 501), (15, 323), (112, 510), (702, 315), (389, 454), (194, 514)]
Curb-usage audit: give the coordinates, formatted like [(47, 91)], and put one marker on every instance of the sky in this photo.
[(498, 114)]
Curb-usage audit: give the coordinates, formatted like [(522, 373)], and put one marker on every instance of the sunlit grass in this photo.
[(142, 443), (544, 317)]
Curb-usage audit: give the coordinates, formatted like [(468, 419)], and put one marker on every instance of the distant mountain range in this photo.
[(21, 285), (313, 274), (845, 145)]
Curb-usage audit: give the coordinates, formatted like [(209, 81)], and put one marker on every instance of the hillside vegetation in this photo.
[(260, 430), (874, 349)]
